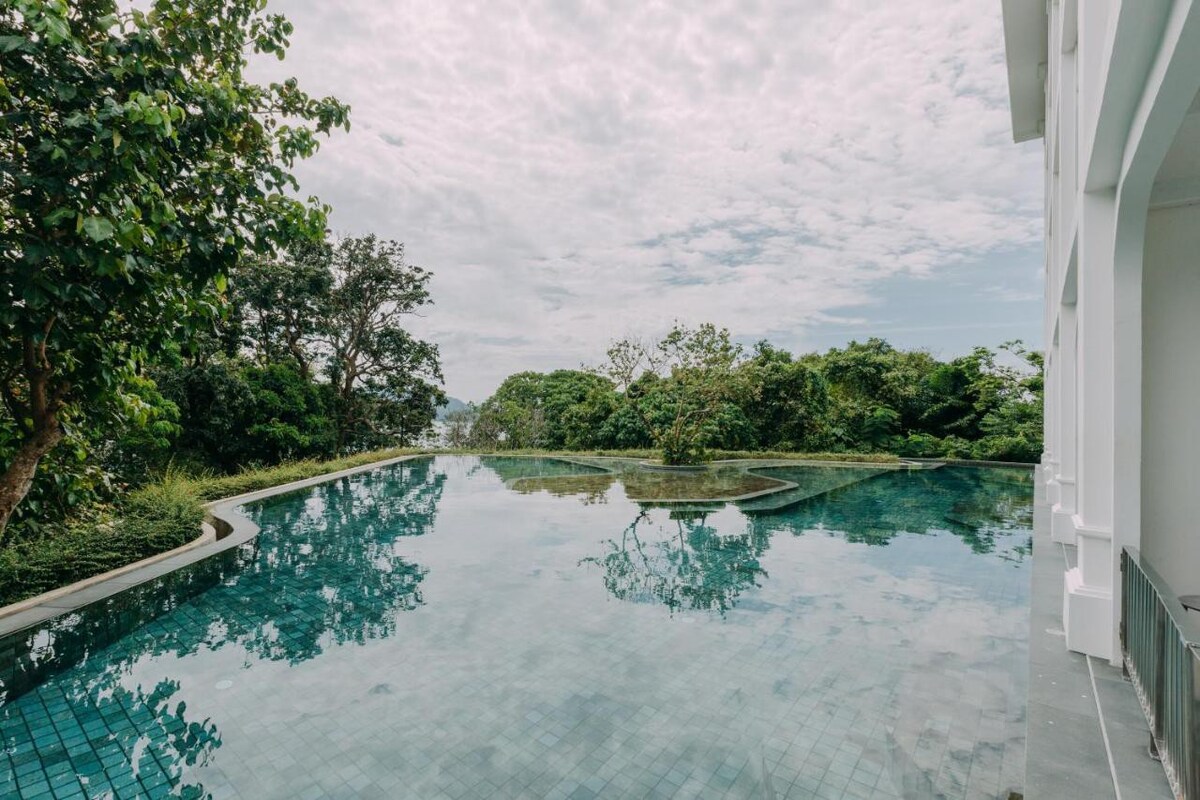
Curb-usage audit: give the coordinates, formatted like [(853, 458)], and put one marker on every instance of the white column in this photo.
[(1062, 525), (1087, 603), (1050, 447)]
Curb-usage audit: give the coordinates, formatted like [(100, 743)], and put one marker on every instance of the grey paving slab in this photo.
[(1067, 748)]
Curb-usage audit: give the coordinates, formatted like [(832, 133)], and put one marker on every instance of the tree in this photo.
[(384, 380), (560, 409), (139, 164), (281, 302), (679, 386), (514, 416), (234, 414), (459, 425), (789, 403), (1012, 422)]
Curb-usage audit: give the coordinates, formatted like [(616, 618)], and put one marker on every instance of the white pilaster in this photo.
[(1062, 525), (1087, 606)]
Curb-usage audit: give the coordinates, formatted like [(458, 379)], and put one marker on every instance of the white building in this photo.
[(1110, 86)]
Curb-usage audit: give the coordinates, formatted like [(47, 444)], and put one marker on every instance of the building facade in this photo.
[(1111, 88)]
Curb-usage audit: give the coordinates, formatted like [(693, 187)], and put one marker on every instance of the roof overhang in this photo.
[(1025, 48)]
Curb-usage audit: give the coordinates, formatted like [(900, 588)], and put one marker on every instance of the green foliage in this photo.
[(249, 394), (693, 393), (140, 165), (788, 404), (385, 382), (149, 521), (280, 305), (140, 449), (555, 411), (680, 387), (235, 414)]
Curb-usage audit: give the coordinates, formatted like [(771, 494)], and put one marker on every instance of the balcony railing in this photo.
[(1161, 650)]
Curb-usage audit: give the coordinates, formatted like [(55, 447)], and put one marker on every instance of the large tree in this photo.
[(281, 301), (680, 387), (138, 165), (555, 410), (789, 402), (386, 382)]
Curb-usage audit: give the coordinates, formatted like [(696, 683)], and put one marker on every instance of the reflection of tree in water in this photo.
[(981, 506), (323, 572), (690, 567), (511, 468), (328, 571), (138, 743)]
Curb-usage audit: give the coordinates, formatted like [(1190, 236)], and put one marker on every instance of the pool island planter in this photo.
[(658, 466)]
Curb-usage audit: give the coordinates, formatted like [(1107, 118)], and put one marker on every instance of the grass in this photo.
[(166, 515)]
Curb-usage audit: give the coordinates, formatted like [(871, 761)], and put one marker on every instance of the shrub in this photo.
[(150, 521)]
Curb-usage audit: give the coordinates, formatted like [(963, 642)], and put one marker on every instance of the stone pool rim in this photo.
[(235, 529)]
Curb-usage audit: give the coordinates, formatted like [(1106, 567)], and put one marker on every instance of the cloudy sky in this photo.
[(807, 171)]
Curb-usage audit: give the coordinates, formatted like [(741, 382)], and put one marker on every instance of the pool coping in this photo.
[(236, 529), (784, 485)]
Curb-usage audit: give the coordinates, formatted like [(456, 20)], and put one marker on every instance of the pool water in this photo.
[(429, 630)]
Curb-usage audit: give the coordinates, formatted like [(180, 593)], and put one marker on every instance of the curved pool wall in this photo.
[(424, 630)]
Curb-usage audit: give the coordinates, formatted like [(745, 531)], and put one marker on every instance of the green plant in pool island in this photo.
[(139, 166), (679, 386)]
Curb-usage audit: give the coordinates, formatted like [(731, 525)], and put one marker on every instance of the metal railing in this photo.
[(1160, 646)]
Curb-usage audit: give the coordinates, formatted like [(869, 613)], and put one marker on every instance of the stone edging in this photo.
[(971, 462)]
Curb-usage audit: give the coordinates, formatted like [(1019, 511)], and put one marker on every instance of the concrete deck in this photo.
[(1087, 738)]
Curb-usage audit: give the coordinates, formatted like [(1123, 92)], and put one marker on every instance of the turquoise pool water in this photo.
[(428, 631)]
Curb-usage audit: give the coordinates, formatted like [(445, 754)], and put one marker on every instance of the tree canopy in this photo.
[(166, 297), (864, 397), (140, 165)]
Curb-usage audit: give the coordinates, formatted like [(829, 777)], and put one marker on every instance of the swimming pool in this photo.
[(446, 628)]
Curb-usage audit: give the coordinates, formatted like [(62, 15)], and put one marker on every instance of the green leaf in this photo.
[(97, 228), (57, 215)]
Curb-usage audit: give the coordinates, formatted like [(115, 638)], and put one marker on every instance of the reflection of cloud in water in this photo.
[(943, 667)]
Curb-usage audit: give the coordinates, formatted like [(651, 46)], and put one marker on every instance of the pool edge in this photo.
[(38, 609)]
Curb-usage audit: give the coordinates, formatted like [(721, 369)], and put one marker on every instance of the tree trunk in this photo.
[(15, 482), (44, 403)]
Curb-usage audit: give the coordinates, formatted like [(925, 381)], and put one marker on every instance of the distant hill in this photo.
[(452, 404)]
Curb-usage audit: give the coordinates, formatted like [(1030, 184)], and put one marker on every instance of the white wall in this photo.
[(1171, 396)]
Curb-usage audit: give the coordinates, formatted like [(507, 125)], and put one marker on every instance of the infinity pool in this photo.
[(446, 628)]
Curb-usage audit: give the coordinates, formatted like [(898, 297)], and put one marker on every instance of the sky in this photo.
[(573, 172)]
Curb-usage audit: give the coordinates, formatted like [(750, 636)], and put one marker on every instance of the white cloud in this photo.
[(573, 172)]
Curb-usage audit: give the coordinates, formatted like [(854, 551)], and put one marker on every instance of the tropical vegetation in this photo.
[(696, 391)]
